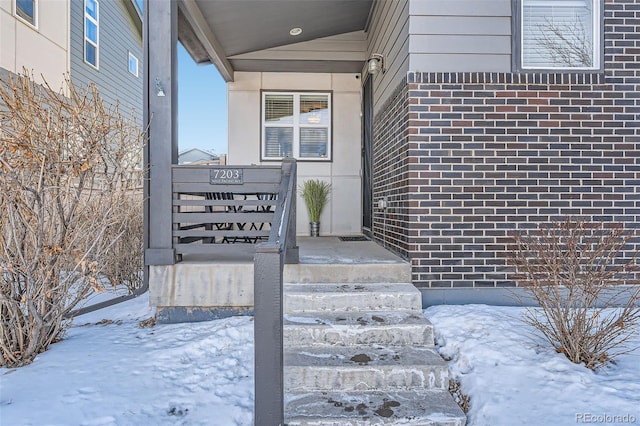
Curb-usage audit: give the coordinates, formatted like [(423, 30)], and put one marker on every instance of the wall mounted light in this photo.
[(159, 88), (375, 64)]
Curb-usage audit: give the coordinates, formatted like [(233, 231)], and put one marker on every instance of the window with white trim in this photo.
[(133, 64), (27, 11), (91, 32), (296, 124), (560, 34)]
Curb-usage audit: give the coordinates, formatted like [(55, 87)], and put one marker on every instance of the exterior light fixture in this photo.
[(296, 31), (159, 88), (375, 64)]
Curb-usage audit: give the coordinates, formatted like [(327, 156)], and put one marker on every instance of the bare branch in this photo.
[(66, 191)]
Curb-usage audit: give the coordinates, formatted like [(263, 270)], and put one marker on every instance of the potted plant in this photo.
[(316, 195)]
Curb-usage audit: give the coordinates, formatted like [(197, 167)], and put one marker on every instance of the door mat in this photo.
[(354, 238)]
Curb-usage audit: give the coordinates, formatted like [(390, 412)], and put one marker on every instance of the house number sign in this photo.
[(226, 176)]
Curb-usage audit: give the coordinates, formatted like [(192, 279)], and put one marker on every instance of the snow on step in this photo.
[(355, 368), (307, 272), (424, 408), (397, 328), (351, 297)]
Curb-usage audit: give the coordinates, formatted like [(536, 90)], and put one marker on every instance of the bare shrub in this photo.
[(575, 271), (123, 263), (67, 165)]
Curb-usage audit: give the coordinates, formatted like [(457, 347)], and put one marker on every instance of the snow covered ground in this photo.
[(116, 373), (513, 380)]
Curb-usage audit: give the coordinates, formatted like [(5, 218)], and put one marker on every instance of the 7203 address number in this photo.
[(227, 176)]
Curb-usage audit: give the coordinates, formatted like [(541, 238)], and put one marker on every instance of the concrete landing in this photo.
[(225, 284)]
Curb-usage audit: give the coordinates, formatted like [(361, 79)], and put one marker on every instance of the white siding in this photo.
[(44, 50), (389, 35), (460, 35), (343, 215)]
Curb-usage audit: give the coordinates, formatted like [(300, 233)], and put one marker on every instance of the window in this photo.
[(559, 34), (296, 125), (133, 64), (26, 10), (91, 32)]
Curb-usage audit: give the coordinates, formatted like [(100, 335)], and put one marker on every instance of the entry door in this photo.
[(367, 156)]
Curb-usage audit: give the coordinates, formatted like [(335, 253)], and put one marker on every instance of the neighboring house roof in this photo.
[(196, 154), (223, 32)]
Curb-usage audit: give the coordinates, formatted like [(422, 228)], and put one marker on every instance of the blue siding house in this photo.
[(106, 49)]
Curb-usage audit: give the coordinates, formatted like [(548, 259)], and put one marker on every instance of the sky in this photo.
[(202, 106)]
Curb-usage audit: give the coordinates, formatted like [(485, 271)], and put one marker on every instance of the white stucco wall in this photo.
[(343, 215), (43, 50)]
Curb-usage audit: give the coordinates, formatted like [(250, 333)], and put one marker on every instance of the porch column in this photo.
[(160, 104)]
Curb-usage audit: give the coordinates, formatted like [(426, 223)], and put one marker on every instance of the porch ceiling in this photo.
[(216, 31)]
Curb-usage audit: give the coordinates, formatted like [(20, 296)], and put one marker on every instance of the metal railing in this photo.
[(269, 263)]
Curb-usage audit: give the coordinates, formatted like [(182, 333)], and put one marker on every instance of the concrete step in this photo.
[(397, 328), (356, 272), (364, 368), (352, 297), (424, 408)]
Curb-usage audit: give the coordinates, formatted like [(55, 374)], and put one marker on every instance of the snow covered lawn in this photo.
[(116, 373), (513, 380), (120, 374)]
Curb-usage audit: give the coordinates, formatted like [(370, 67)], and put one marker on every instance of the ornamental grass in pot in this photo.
[(316, 195)]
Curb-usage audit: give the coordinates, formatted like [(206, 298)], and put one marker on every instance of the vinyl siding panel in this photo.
[(117, 37), (344, 47), (389, 35), (460, 35)]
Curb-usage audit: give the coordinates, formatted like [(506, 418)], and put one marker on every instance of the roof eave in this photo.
[(202, 40)]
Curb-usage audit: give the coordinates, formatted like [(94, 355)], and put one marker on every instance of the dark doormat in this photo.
[(352, 238)]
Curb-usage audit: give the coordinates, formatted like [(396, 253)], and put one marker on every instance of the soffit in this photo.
[(244, 26)]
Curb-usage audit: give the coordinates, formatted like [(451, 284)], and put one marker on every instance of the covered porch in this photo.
[(212, 213), (223, 240)]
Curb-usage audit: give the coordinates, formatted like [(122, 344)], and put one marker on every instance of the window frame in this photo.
[(86, 40), (33, 24), (129, 57), (296, 125), (517, 7)]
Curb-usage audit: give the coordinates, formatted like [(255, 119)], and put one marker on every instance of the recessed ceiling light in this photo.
[(295, 31)]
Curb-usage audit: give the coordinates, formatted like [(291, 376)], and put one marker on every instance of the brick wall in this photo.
[(488, 154), (391, 158)]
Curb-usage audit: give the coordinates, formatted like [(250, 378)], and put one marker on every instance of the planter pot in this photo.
[(314, 229)]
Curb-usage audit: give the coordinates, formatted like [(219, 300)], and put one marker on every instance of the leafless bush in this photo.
[(575, 271), (67, 164), (123, 263)]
